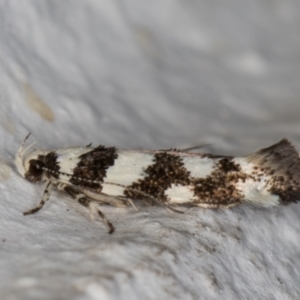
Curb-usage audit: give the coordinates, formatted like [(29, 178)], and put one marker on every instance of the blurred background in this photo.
[(159, 74), (153, 75)]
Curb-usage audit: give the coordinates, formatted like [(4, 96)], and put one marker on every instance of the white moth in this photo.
[(95, 176)]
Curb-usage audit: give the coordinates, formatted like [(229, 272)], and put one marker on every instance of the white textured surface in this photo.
[(156, 74)]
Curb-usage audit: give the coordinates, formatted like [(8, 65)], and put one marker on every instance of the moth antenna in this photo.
[(27, 148), (194, 148), (20, 154), (24, 141)]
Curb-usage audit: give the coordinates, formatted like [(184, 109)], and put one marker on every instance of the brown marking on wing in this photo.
[(93, 166), (219, 188), (166, 170)]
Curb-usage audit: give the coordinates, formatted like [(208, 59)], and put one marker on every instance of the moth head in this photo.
[(31, 166)]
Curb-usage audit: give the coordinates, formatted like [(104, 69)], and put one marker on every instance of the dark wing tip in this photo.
[(277, 154), (280, 150), (281, 163)]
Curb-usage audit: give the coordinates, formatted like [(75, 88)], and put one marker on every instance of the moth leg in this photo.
[(171, 209), (129, 201), (45, 198), (90, 204), (93, 207), (104, 198)]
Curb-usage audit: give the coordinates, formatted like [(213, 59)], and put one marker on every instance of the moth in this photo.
[(171, 178)]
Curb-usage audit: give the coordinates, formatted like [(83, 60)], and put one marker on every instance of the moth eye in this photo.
[(35, 170)]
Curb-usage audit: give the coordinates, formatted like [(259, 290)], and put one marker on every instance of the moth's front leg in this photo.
[(45, 198), (91, 204)]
